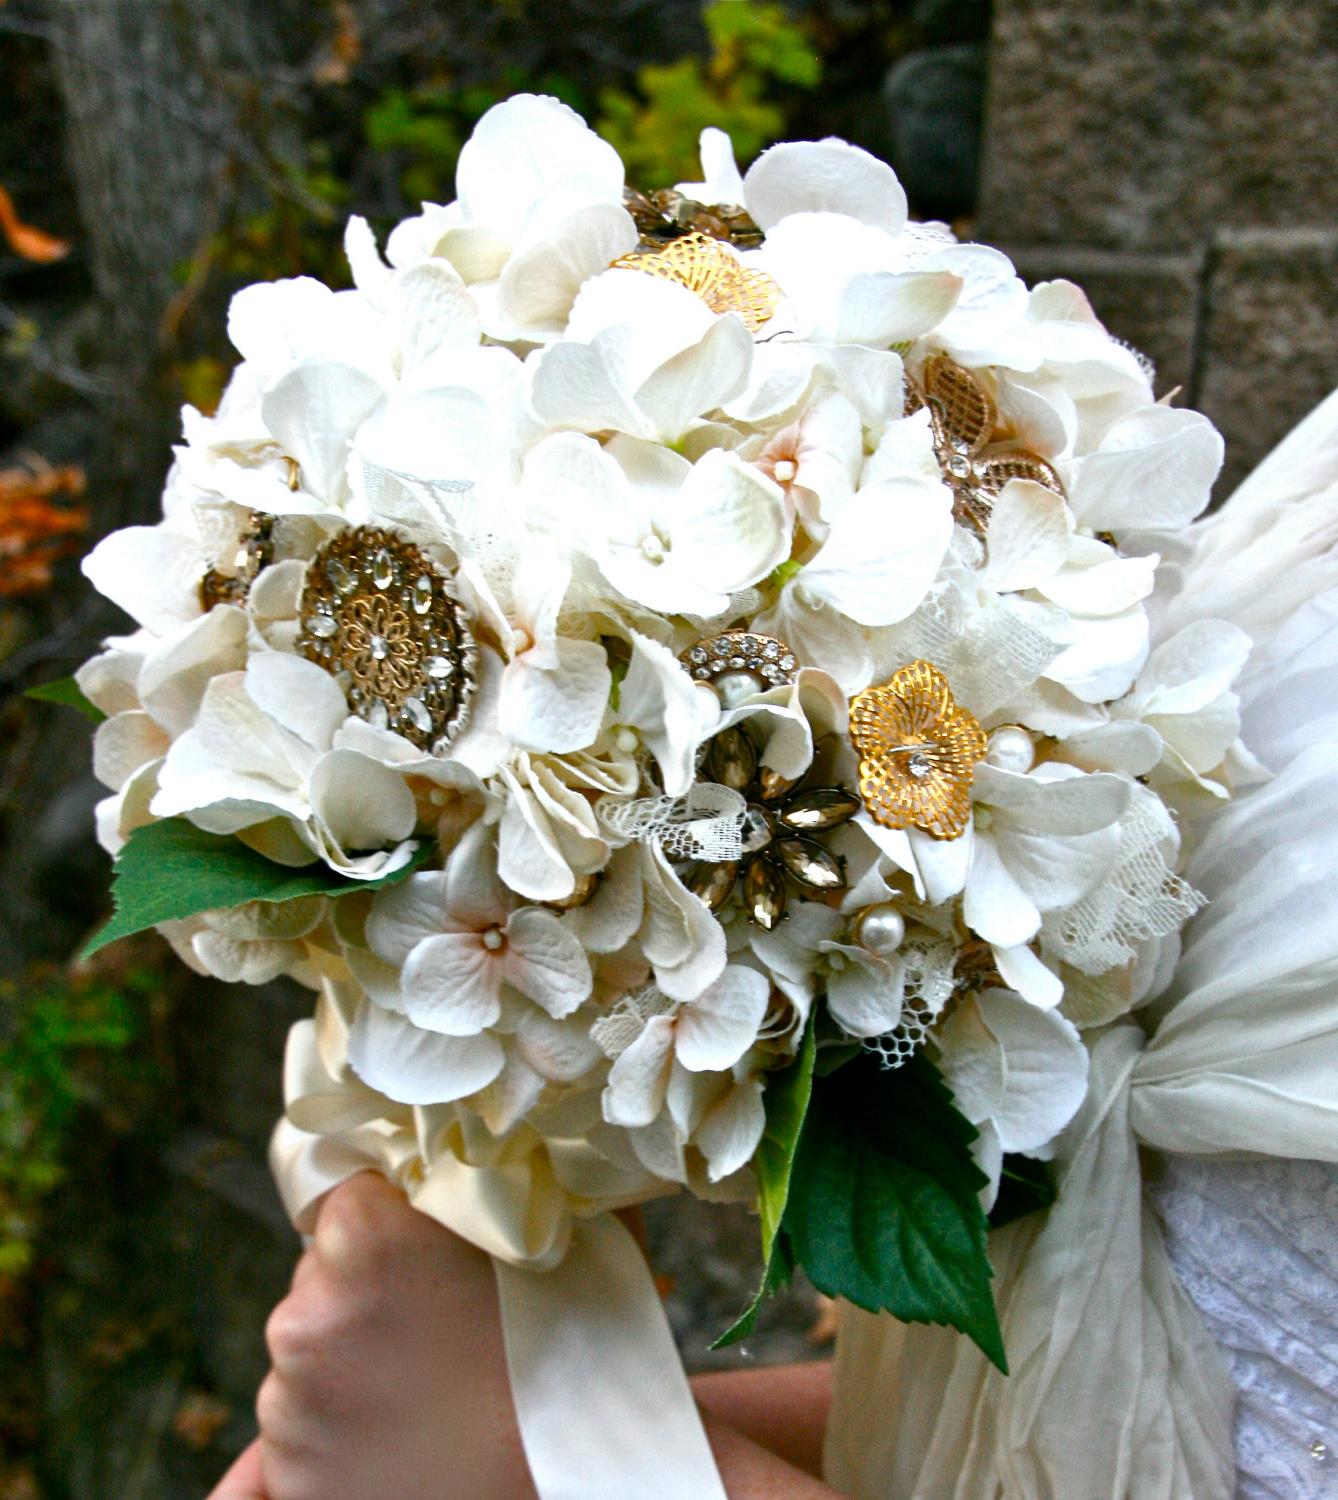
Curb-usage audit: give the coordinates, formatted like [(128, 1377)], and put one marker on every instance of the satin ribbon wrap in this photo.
[(1117, 1390), (603, 1403)]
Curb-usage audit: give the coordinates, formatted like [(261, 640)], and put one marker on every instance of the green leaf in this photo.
[(66, 691), (775, 1278), (1025, 1187), (788, 1091), (171, 869), (884, 1208)]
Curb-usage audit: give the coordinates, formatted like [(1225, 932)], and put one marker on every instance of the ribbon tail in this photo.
[(604, 1405)]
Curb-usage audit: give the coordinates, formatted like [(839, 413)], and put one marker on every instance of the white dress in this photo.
[(1205, 1366)]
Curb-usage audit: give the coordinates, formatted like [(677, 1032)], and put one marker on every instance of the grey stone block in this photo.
[(1138, 124), (1269, 351), (933, 100), (1149, 301)]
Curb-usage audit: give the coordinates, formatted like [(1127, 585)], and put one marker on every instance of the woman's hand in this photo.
[(390, 1382), (389, 1375)]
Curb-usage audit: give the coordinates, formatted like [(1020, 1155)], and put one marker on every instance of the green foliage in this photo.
[(56, 1038), (1026, 1186), (171, 869), (757, 52), (788, 1091), (883, 1207), (66, 691)]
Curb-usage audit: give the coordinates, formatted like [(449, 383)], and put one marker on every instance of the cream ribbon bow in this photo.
[(603, 1403)]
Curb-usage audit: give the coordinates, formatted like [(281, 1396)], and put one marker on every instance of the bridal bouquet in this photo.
[(684, 674)]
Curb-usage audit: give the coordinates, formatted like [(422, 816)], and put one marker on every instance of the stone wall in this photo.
[(1178, 159)]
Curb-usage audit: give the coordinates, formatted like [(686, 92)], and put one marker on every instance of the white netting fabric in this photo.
[(614, 1033), (706, 823), (929, 985), (989, 655), (1141, 898)]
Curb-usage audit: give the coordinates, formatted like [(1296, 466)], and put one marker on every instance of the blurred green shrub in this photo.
[(64, 1045), (757, 52)]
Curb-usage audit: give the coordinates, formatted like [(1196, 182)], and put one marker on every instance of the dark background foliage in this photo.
[(1174, 157)]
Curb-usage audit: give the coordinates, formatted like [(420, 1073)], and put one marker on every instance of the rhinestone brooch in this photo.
[(782, 832), (379, 614)]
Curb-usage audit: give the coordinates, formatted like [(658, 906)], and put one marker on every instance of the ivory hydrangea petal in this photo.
[(828, 176), (717, 1028), (414, 1066), (546, 962), (519, 150)]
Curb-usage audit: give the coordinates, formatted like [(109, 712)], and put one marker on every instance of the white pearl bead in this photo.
[(881, 929), (626, 739), (493, 939), (1011, 749), (734, 687)]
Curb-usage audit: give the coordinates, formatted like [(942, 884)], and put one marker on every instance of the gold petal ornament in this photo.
[(380, 616), (712, 271), (964, 422), (918, 752)]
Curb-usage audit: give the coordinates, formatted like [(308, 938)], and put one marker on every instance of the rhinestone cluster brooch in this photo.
[(918, 752), (740, 663), (379, 614), (782, 831), (975, 461)]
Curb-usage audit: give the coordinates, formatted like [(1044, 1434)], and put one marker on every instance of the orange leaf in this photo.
[(31, 244)]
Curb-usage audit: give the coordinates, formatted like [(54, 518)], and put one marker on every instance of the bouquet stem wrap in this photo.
[(603, 1403)]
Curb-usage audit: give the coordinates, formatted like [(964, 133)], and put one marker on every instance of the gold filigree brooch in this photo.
[(712, 271), (918, 752), (380, 616), (976, 460)]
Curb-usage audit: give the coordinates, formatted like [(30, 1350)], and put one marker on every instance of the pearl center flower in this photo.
[(493, 939)]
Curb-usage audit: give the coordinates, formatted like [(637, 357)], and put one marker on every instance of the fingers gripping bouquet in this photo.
[(679, 674)]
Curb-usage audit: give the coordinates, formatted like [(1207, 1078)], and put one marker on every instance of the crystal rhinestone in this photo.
[(747, 643), (697, 655), (379, 647), (416, 713), (731, 759), (756, 833), (1319, 1451), (811, 864), (378, 715), (703, 673), (422, 594), (772, 784), (339, 575), (771, 650), (959, 466), (788, 663), (321, 626), (438, 667), (713, 883), (764, 894), (383, 568), (919, 765), (820, 809), (737, 663)]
